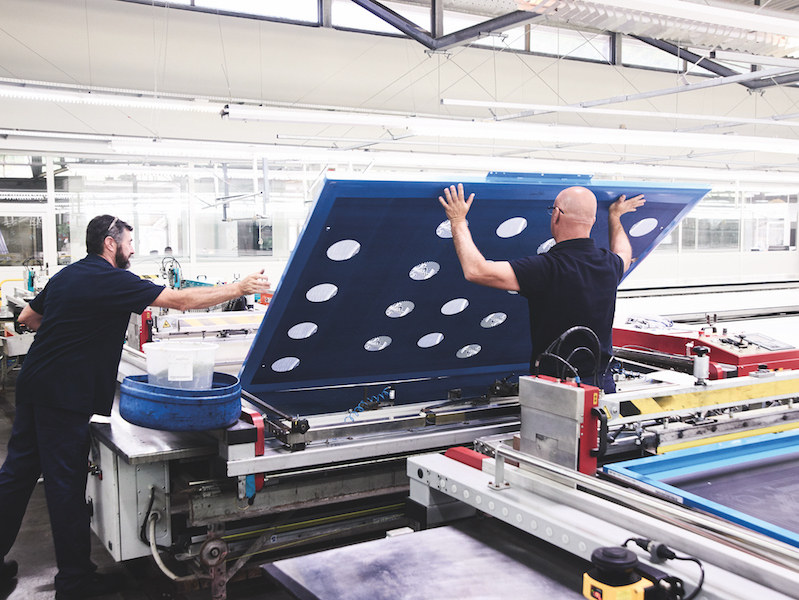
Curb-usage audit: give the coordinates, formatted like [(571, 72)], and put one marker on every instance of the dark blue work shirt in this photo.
[(74, 358), (572, 284)]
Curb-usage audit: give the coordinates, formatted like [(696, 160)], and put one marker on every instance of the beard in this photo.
[(122, 261)]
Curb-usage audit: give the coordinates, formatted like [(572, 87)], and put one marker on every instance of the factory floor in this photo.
[(34, 552)]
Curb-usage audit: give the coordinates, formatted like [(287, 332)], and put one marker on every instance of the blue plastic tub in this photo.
[(171, 409)]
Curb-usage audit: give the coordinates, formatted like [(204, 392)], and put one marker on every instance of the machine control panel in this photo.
[(744, 351)]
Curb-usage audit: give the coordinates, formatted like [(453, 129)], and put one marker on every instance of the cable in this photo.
[(170, 271), (661, 552), (148, 526), (699, 585), (595, 352), (157, 556), (369, 402), (553, 351), (144, 523), (558, 359)]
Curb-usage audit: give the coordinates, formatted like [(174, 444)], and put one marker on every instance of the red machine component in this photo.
[(466, 456), (257, 419), (146, 329), (725, 349), (587, 457)]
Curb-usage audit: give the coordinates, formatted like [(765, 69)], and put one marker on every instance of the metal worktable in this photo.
[(139, 445), (477, 558)]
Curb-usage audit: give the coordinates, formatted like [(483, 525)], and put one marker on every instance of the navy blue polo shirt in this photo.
[(74, 358), (572, 284)]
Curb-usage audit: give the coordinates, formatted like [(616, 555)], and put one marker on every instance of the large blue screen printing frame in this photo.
[(758, 475), (397, 225)]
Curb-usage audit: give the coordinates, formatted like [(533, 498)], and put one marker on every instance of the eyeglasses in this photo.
[(114, 222), (553, 208)]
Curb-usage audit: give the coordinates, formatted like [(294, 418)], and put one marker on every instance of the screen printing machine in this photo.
[(378, 369)]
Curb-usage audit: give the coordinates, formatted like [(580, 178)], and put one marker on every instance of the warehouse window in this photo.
[(573, 44), (770, 222), (514, 38), (510, 39), (708, 233), (744, 222), (635, 53), (216, 211), (348, 15), (296, 10), (20, 241), (717, 234)]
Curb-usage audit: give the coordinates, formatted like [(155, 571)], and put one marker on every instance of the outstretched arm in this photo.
[(618, 240), (496, 274), (203, 297)]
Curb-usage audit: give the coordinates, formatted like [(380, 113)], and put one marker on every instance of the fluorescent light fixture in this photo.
[(189, 150), (455, 163), (531, 133), (183, 148), (238, 112), (55, 135), (560, 134), (43, 94), (547, 108)]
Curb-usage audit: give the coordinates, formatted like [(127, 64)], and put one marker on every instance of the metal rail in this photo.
[(743, 539)]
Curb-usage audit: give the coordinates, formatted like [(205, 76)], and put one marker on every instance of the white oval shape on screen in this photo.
[(322, 292), (302, 330), (400, 309), (512, 227), (492, 320), (343, 250), (424, 270), (376, 344), (430, 340), (287, 363), (468, 351), (643, 227), (453, 307)]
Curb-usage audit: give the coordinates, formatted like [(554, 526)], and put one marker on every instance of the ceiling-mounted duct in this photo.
[(725, 26)]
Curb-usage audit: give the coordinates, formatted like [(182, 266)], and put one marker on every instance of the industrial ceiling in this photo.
[(129, 78)]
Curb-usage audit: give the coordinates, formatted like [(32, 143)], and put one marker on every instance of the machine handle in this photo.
[(603, 432)]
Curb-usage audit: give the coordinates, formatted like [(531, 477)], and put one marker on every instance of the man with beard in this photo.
[(80, 317)]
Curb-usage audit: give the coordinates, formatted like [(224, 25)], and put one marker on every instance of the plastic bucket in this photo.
[(170, 409), (180, 365)]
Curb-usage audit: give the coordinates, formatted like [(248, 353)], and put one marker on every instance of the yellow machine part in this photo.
[(703, 398), (727, 436), (596, 590)]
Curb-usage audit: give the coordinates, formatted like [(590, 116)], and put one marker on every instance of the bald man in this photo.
[(574, 283)]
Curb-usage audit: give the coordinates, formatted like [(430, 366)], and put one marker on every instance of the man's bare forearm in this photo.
[(202, 297), (618, 241), (617, 237), (471, 259)]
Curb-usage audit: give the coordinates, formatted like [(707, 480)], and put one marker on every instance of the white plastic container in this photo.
[(181, 365)]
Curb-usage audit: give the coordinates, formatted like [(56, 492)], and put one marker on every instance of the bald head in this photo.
[(575, 215), (578, 203)]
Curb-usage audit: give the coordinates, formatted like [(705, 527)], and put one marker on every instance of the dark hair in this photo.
[(99, 228)]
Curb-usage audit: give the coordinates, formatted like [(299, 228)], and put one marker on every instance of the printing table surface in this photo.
[(475, 559)]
